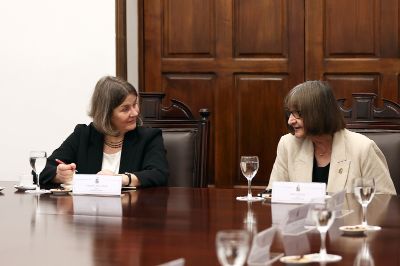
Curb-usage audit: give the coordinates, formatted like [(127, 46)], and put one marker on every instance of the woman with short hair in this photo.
[(320, 149), (113, 144)]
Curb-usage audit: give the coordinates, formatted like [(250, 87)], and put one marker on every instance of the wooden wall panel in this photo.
[(260, 28), (255, 45), (360, 38), (359, 18), (188, 28), (195, 90), (344, 85), (258, 114)]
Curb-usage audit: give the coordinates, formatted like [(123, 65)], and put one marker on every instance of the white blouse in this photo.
[(111, 162)]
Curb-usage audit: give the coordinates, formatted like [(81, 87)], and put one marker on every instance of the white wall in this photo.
[(51, 55), (132, 42)]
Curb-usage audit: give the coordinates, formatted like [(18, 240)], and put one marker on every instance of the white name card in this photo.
[(295, 221), (102, 185), (338, 199), (259, 254), (294, 192)]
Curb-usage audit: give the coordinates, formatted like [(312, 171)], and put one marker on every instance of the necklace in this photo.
[(114, 145)]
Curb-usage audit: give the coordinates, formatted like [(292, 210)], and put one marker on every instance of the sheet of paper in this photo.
[(103, 185), (295, 192)]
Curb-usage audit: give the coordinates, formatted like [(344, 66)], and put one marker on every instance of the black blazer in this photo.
[(143, 154)]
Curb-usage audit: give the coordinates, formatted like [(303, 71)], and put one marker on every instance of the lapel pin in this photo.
[(340, 170)]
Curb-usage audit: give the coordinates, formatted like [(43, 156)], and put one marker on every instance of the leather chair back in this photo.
[(382, 125), (185, 139)]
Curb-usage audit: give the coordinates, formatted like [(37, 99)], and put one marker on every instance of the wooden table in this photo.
[(152, 226)]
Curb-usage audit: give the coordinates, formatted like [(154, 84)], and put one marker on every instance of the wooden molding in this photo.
[(121, 46)]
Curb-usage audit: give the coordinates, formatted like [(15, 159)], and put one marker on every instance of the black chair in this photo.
[(185, 138), (382, 125)]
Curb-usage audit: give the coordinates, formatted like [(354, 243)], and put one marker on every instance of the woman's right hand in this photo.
[(65, 172)]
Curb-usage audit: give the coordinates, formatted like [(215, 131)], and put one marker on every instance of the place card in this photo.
[(338, 199), (295, 221), (102, 185), (295, 192), (280, 211), (177, 262), (259, 253), (296, 244)]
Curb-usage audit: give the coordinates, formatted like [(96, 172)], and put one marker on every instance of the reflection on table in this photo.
[(156, 225)]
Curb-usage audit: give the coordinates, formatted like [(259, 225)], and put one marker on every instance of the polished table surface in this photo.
[(156, 225)]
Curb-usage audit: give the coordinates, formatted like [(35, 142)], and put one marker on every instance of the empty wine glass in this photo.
[(323, 214), (364, 191), (249, 166), (232, 247), (38, 161)]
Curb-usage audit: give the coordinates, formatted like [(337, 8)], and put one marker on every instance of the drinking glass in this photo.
[(323, 214), (232, 247), (38, 161), (249, 166), (364, 191)]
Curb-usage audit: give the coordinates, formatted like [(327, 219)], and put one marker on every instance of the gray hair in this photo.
[(109, 93)]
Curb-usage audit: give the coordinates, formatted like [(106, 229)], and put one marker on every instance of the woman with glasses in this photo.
[(320, 149)]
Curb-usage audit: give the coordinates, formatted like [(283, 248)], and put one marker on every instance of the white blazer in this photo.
[(353, 155)]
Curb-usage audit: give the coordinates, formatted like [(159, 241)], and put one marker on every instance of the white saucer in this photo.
[(252, 199), (296, 259), (353, 229), (1, 188), (60, 192), (24, 188)]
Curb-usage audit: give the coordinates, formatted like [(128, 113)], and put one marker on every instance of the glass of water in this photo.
[(38, 160), (323, 214), (249, 166), (364, 191), (232, 247)]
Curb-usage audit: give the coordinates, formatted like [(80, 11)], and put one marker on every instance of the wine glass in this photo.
[(38, 161), (364, 190), (323, 214), (249, 166), (232, 247)]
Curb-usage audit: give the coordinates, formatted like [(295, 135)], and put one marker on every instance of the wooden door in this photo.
[(354, 45), (238, 58)]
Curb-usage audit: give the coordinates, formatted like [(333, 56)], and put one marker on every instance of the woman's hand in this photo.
[(65, 172)]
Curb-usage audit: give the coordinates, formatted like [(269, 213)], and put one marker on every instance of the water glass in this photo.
[(38, 160), (364, 191), (323, 214), (249, 167), (232, 247)]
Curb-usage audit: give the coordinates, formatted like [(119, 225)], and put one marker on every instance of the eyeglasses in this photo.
[(296, 114)]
